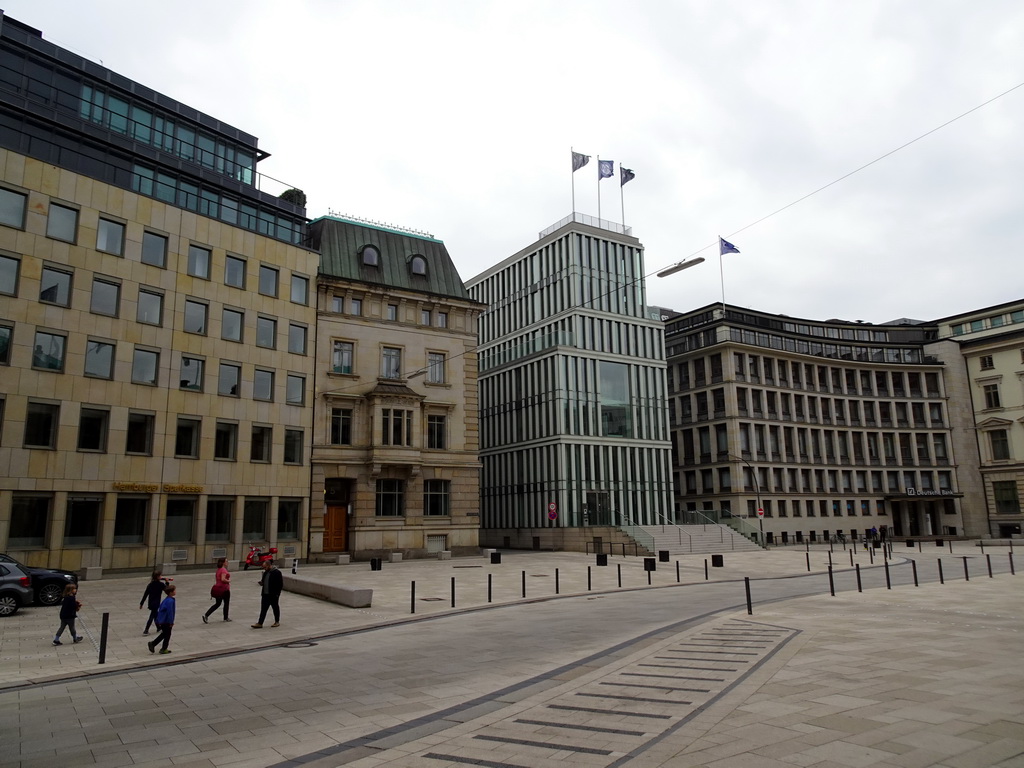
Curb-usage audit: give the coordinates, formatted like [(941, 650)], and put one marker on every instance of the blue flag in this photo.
[(578, 161), (724, 247), (605, 169), (625, 175)]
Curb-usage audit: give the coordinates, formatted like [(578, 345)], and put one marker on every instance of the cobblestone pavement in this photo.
[(675, 674)]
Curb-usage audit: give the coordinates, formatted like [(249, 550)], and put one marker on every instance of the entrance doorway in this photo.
[(337, 502)]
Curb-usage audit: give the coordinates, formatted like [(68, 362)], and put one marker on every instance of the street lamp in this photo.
[(757, 490), (680, 266)]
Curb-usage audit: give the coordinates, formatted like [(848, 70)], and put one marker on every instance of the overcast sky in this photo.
[(457, 118)]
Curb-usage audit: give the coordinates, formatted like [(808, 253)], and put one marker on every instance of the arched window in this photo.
[(371, 255), (418, 264)]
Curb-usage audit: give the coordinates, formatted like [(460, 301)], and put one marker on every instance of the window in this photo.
[(139, 435), (99, 359), (341, 426), (390, 498), (195, 317), (82, 524), (180, 517), (391, 363), (228, 378), (419, 265), (392, 312), (48, 352), (106, 297), (41, 421), (154, 249), (62, 223), (355, 307), (341, 361), (435, 498), (219, 512), (437, 429), (288, 519), (151, 307), (186, 439), (297, 339), (254, 519), (259, 450), (199, 262), (234, 272), (55, 287), (130, 520), (12, 208), (991, 395), (442, 319), (192, 373), (9, 268), (986, 362), (396, 427), (999, 440), (300, 289), (93, 426), (6, 336), (424, 317), (371, 256), (145, 364), (435, 368), (268, 281), (337, 304), (295, 389), (30, 515), (1004, 492), (232, 322), (266, 332), (293, 446), (263, 385), (110, 237)]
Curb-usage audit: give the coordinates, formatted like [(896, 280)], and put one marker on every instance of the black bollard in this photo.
[(951, 547), (588, 577), (620, 575), (831, 582), (967, 576), (677, 572), (412, 598), (871, 555), (941, 579), (1012, 572), (750, 606), (989, 559), (648, 578), (453, 591), (556, 580), (859, 587), (888, 583), (808, 556), (830, 558), (524, 583), (489, 587), (705, 569), (851, 556), (103, 638), (913, 567), (919, 546)]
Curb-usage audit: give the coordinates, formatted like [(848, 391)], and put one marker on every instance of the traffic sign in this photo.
[(552, 507), (760, 512)]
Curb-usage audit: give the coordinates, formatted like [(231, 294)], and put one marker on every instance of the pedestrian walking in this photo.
[(164, 621), (68, 613), (272, 584), (220, 591), (154, 592)]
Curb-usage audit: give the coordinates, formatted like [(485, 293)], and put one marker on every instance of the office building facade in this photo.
[(574, 430), (157, 324)]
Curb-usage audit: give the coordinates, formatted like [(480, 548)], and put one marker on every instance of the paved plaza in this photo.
[(580, 671)]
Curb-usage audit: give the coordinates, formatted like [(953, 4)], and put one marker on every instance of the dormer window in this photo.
[(418, 265), (371, 255)]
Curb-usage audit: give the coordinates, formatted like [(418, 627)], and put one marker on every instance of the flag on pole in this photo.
[(724, 247), (605, 169), (578, 161), (625, 175)]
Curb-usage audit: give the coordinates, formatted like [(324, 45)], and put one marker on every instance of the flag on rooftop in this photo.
[(724, 247), (579, 160), (605, 169), (625, 175)]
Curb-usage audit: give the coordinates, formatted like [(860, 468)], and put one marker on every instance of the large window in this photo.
[(1006, 498), (342, 358), (154, 249), (232, 322), (139, 435), (55, 286), (130, 519), (82, 524), (30, 515), (186, 439), (300, 289), (191, 376), (225, 441), (295, 389), (12, 208), (268, 281), (219, 512), (288, 511), (293, 446), (261, 444), (437, 428), (396, 427), (106, 297), (615, 411), (48, 352), (9, 268), (41, 421), (110, 237), (992, 396), (266, 332), (263, 385), (62, 223), (436, 498), (390, 498), (1000, 442), (195, 317), (6, 336), (391, 363), (234, 271), (199, 262), (151, 307), (93, 426), (341, 426), (297, 339), (254, 519), (228, 379), (145, 364), (435, 368), (181, 513)]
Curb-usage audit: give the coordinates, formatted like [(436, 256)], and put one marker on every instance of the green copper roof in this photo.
[(340, 242)]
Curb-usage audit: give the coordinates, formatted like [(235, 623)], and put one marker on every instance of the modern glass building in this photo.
[(573, 418)]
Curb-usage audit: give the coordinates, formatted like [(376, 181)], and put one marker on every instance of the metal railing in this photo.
[(722, 517)]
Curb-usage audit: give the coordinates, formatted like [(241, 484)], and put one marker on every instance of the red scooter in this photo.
[(257, 556)]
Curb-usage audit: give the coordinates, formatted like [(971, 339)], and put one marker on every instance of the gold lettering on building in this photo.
[(178, 488), (137, 487)]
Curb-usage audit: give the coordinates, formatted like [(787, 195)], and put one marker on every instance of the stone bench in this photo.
[(351, 597)]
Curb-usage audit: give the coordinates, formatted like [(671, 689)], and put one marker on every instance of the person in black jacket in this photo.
[(272, 584), (153, 595), (68, 613)]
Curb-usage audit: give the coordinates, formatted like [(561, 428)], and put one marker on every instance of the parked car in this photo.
[(47, 583), (15, 589)]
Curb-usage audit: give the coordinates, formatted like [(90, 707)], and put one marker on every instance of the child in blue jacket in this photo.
[(164, 621), (68, 613)]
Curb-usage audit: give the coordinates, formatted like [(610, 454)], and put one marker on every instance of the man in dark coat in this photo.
[(272, 584)]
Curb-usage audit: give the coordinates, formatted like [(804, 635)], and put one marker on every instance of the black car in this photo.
[(47, 583), (15, 589)]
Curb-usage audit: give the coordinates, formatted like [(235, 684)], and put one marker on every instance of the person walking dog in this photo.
[(220, 591), (164, 621), (272, 584)]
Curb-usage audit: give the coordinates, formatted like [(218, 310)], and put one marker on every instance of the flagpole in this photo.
[(622, 202), (721, 273), (571, 150), (599, 190)]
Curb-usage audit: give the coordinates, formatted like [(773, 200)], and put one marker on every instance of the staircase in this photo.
[(679, 540)]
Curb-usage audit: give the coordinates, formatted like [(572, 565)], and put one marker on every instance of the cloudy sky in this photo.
[(457, 117)]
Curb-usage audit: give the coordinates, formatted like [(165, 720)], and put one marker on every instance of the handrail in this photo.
[(722, 517)]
